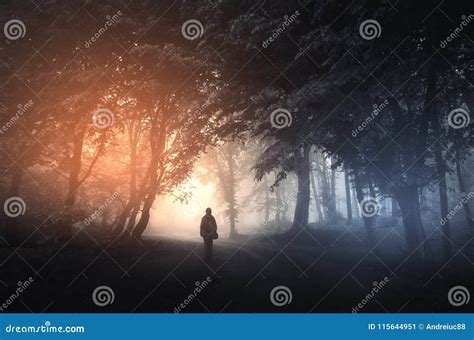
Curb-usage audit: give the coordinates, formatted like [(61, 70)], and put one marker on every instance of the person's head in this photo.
[(208, 211)]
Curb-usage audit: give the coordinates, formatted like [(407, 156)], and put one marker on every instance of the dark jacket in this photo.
[(208, 226)]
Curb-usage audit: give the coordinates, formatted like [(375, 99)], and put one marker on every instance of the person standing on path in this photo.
[(208, 233)]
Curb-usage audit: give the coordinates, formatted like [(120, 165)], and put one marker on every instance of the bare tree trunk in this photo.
[(278, 207), (122, 219), (149, 199), (302, 199), (355, 204), (443, 199), (145, 216), (368, 221), (333, 199), (409, 203), (75, 163), (150, 196), (267, 200), (284, 213), (348, 197), (133, 218), (371, 188), (395, 208), (157, 142), (325, 190), (133, 136), (232, 200), (431, 114), (462, 189), (316, 197)]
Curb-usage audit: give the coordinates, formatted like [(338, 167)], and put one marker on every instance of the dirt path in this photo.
[(323, 274)]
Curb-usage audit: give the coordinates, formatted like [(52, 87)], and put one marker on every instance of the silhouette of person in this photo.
[(208, 233)]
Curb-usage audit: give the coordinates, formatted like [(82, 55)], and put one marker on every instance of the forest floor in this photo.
[(327, 269)]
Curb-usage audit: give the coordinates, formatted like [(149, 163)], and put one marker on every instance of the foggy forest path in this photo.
[(326, 270), (354, 126)]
